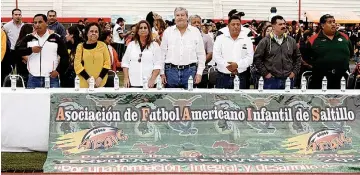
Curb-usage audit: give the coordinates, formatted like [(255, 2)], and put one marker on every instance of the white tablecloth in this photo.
[(25, 113)]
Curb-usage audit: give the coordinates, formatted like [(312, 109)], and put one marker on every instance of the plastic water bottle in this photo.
[(77, 83), (303, 84), (13, 82), (287, 84), (191, 83), (116, 82), (158, 83), (324, 84), (91, 84), (261, 84), (343, 84), (145, 83), (236, 83), (47, 82)]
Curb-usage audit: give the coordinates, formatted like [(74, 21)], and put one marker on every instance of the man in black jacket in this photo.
[(277, 56), (43, 48)]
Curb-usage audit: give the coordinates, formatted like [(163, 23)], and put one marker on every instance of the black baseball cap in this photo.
[(235, 12), (120, 20), (324, 18)]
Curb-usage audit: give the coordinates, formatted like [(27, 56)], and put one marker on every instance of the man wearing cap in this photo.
[(330, 52), (195, 21)]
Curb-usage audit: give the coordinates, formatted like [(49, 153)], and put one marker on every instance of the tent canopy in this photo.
[(344, 17)]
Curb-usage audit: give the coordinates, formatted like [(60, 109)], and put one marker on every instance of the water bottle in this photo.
[(236, 83), (287, 84), (145, 83), (116, 82), (13, 82), (261, 84), (158, 83), (77, 83), (191, 83), (303, 84), (91, 84), (343, 84), (47, 82), (324, 84)]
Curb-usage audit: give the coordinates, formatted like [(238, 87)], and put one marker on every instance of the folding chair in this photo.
[(212, 74), (19, 81), (307, 75), (110, 80)]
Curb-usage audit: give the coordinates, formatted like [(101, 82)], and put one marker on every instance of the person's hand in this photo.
[(126, 82), (198, 78), (292, 75), (151, 83), (54, 74), (36, 49), (25, 59), (98, 81), (163, 79), (268, 76), (232, 66)]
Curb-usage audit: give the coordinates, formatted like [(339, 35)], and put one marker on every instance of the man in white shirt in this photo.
[(233, 54), (195, 20), (183, 52), (12, 30), (43, 47)]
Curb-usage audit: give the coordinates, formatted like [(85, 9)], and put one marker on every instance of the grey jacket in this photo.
[(279, 60)]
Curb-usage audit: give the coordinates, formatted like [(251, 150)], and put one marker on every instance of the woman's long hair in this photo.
[(150, 19), (149, 39), (25, 29), (73, 30)]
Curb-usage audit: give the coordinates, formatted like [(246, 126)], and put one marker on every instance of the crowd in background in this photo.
[(174, 50)]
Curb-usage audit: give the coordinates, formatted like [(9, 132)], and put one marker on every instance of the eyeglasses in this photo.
[(140, 55)]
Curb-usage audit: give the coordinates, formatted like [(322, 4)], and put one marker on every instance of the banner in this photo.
[(190, 132)]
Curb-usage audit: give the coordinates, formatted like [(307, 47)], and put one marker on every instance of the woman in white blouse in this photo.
[(142, 58)]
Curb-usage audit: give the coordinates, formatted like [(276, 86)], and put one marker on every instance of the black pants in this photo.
[(333, 79), (205, 83), (6, 65), (120, 49)]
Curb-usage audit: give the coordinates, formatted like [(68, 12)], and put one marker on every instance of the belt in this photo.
[(230, 75), (180, 66)]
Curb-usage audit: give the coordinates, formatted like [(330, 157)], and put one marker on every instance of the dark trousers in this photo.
[(120, 49), (205, 83), (178, 78), (225, 81), (277, 83), (333, 79)]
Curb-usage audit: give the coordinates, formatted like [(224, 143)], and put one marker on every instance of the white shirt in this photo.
[(42, 63), (12, 30), (228, 50), (185, 49), (116, 31), (150, 60), (110, 48)]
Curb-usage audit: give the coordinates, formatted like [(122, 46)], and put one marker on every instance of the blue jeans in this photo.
[(36, 82), (277, 83), (224, 81), (178, 78)]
